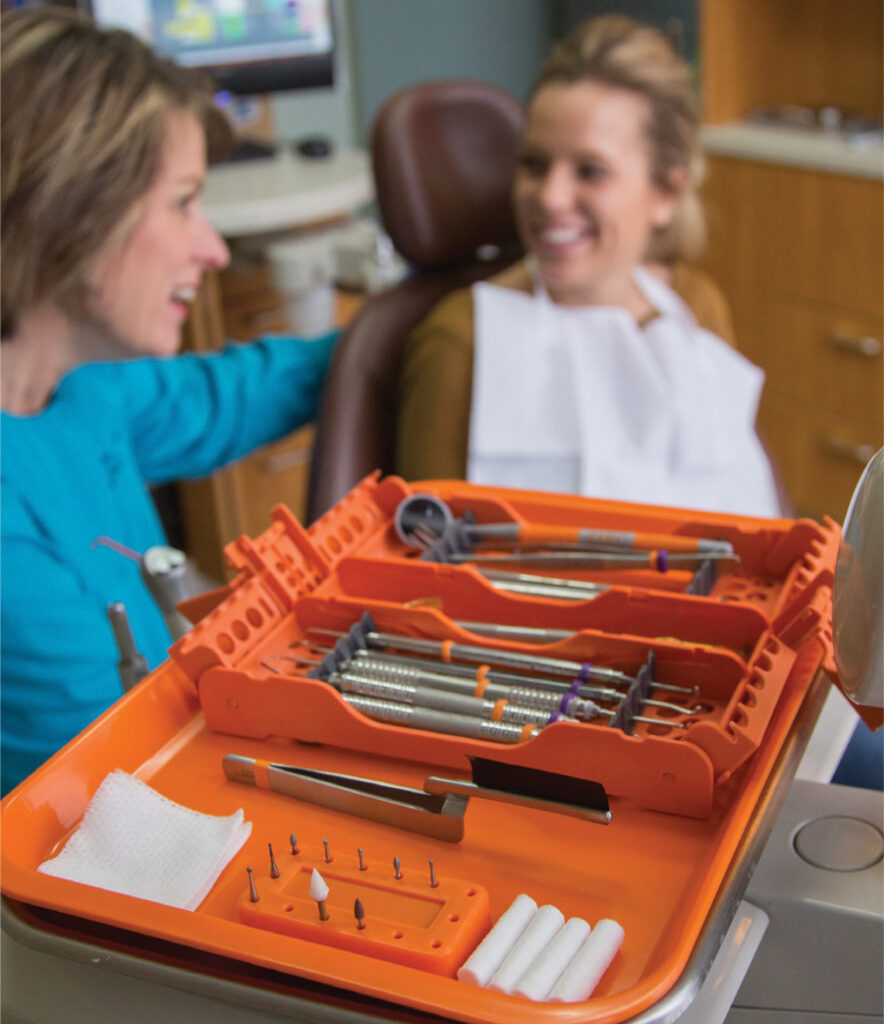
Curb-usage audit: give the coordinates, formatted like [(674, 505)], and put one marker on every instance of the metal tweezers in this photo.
[(438, 809)]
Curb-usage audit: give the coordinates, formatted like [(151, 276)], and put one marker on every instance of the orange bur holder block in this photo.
[(407, 921)]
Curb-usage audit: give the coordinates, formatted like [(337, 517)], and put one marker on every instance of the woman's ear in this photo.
[(668, 195), (677, 179)]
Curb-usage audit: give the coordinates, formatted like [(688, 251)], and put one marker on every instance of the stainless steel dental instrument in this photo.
[(659, 561), (448, 650), (382, 668), (421, 516), (502, 709)]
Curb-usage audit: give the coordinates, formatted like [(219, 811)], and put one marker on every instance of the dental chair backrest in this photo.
[(443, 157)]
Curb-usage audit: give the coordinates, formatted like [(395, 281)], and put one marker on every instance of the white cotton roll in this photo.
[(537, 982), (589, 963), (490, 953), (544, 925)]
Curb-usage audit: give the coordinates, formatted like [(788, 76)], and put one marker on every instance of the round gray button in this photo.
[(839, 843)]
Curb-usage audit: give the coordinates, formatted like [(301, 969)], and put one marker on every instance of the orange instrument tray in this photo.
[(757, 640), (734, 645), (659, 875)]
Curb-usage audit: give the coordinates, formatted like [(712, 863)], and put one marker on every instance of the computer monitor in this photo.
[(248, 47)]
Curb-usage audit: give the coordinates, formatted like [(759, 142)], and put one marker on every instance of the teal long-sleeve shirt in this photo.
[(80, 470)]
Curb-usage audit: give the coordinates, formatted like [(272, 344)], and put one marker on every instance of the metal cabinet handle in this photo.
[(291, 459), (859, 453), (857, 344)]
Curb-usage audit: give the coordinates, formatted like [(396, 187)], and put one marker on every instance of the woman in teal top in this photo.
[(104, 244)]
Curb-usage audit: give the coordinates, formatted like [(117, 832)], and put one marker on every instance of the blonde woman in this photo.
[(602, 363)]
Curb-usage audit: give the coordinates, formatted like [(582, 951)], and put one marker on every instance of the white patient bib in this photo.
[(584, 401)]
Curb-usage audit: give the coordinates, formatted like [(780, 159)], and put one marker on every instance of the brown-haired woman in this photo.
[(104, 244)]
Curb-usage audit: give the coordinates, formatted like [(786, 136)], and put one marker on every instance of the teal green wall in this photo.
[(392, 43)]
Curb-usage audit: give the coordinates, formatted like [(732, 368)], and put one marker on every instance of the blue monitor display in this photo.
[(247, 46)]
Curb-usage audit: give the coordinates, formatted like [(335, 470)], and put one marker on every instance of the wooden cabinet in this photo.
[(798, 250), (238, 304)]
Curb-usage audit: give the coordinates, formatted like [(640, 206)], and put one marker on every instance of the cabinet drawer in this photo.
[(245, 322), (251, 304), (739, 200), (828, 242), (827, 356), (244, 279), (276, 473), (821, 454)]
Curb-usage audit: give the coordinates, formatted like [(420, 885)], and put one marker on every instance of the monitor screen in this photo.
[(247, 46)]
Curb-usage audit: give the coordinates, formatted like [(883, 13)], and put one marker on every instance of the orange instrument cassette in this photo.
[(656, 684)]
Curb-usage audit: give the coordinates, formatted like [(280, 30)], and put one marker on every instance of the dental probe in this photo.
[(448, 650), (510, 577), (429, 720), (481, 685), (660, 561), (569, 706), (429, 516), (531, 533), (482, 672), (483, 682)]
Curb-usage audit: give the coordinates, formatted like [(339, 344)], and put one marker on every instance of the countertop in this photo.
[(796, 147), (284, 191)]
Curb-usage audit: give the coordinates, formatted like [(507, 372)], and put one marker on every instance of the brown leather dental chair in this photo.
[(443, 157)]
